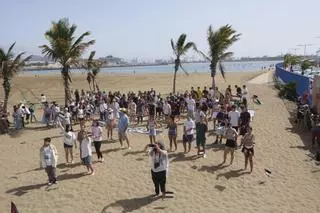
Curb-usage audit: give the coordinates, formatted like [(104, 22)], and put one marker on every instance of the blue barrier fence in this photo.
[(302, 82)]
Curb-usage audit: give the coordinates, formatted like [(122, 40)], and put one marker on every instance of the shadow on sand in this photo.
[(129, 205), (232, 174)]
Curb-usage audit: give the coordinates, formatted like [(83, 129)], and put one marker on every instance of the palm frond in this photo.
[(180, 43), (204, 55), (173, 47), (184, 70), (222, 70), (187, 47), (10, 53)]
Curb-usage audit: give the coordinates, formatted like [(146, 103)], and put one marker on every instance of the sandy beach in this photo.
[(123, 183)]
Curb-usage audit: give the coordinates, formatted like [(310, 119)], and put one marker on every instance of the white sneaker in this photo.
[(129, 148), (50, 183), (204, 155)]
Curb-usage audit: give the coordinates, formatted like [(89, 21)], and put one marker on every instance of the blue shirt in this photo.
[(123, 122)]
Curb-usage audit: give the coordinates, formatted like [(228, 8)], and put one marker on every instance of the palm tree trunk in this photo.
[(66, 83), (176, 67), (7, 87), (213, 68)]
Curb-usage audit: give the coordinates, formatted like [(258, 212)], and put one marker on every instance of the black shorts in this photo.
[(248, 151), (81, 119), (236, 128), (67, 146), (231, 143), (187, 138)]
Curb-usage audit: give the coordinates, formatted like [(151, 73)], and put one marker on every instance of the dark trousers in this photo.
[(97, 146), (103, 116), (159, 179), (51, 172)]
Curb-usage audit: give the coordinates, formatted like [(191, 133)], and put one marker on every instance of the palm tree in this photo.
[(290, 60), (219, 41), (305, 64), (180, 49), (9, 65), (93, 68), (65, 49)]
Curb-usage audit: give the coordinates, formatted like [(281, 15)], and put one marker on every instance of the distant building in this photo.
[(112, 61)]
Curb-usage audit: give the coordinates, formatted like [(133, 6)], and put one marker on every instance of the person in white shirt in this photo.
[(132, 110), (188, 129), (67, 117), (43, 99), (97, 139), (191, 103), (49, 160), (110, 123), (166, 110), (234, 116), (102, 108), (86, 152), (69, 138), (81, 115), (244, 91), (159, 167)]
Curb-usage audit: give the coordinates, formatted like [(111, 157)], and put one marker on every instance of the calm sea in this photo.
[(238, 66)]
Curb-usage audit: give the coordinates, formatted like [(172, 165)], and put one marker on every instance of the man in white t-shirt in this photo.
[(191, 103), (102, 109), (188, 129), (43, 99), (166, 110), (234, 116)]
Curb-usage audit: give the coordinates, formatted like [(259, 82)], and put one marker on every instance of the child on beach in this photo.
[(48, 160), (172, 132), (151, 127), (231, 144), (86, 152), (188, 130), (248, 142)]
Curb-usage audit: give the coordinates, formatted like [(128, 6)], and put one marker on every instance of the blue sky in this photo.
[(143, 28)]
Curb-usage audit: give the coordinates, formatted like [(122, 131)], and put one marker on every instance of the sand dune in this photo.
[(123, 184)]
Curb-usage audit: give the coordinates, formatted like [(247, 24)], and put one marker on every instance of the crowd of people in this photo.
[(102, 110)]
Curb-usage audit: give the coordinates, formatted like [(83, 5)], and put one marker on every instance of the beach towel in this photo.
[(142, 130)]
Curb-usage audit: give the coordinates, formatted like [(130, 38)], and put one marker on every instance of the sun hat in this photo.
[(123, 110)]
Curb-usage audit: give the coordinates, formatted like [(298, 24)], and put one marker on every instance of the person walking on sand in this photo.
[(123, 127), (48, 160), (234, 116), (97, 139), (248, 142), (159, 167), (172, 133), (201, 130), (231, 143), (86, 152), (151, 127), (188, 130), (69, 139), (132, 110)]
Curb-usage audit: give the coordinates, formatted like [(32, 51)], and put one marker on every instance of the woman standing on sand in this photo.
[(172, 133), (248, 142), (68, 141), (109, 123), (86, 152), (151, 126), (97, 139)]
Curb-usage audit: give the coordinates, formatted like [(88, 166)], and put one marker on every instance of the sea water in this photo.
[(234, 66)]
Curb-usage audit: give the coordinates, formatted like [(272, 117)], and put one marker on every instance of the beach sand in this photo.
[(123, 183)]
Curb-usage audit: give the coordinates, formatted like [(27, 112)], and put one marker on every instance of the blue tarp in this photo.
[(302, 82)]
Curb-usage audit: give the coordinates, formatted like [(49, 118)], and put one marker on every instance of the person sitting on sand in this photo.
[(248, 142), (231, 143), (48, 160)]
